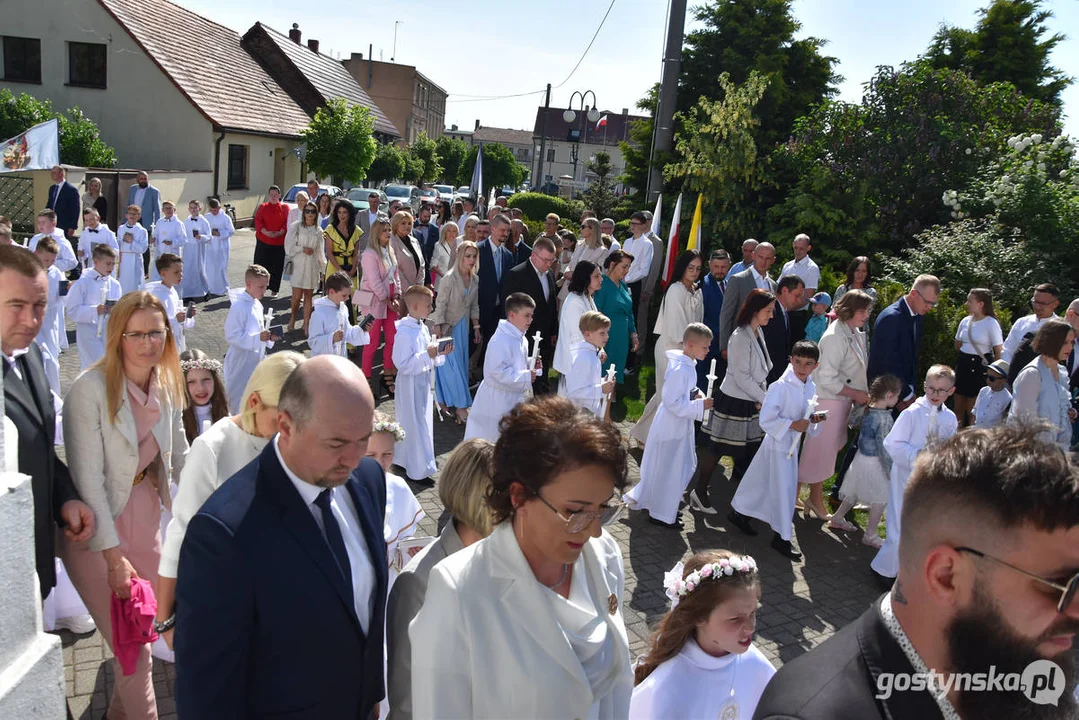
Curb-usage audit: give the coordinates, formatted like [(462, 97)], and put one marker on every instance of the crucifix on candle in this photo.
[(712, 377), (104, 299), (611, 375), (339, 347)]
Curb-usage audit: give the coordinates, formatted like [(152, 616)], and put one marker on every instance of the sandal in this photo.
[(872, 541), (838, 523), (389, 381), (462, 416)]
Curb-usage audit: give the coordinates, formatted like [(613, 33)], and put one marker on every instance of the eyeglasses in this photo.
[(927, 301), (154, 336), (937, 391), (1067, 590), (580, 520)]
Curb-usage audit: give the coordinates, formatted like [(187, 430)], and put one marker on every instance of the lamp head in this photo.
[(569, 116), (593, 115)]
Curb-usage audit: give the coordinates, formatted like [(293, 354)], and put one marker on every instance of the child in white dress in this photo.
[(702, 662), (670, 454), (506, 376), (89, 302), (866, 481), (586, 385), (993, 399)]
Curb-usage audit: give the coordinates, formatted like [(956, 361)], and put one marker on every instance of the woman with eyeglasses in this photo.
[(125, 440), (305, 249), (528, 621), (216, 455)]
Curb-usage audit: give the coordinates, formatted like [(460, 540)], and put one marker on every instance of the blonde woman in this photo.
[(295, 214), (410, 263), (458, 308), (93, 198), (305, 249), (590, 247), (472, 224), (215, 456), (125, 441), (462, 487), (444, 255), (378, 295)]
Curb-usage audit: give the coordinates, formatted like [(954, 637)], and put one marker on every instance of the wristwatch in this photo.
[(163, 627)]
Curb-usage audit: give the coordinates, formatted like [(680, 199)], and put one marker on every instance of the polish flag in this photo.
[(672, 242), (602, 122)]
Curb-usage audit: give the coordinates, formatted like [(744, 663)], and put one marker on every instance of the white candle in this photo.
[(712, 377), (104, 299), (612, 373)]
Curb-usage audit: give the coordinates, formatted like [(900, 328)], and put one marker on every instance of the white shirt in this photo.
[(1022, 326), (985, 333), (65, 259), (543, 281), (808, 271), (13, 357), (990, 406), (641, 249), (140, 193), (344, 511), (760, 280), (372, 216)]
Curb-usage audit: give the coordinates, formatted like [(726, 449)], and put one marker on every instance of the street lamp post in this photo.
[(569, 116), (393, 56)]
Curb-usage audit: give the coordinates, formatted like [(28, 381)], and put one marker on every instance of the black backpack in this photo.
[(1023, 355)]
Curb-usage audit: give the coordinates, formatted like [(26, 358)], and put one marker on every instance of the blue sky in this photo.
[(489, 48)]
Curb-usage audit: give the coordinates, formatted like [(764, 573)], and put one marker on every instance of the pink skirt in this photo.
[(819, 452)]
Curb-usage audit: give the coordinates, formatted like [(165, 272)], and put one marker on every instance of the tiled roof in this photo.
[(617, 127), (207, 64), (328, 76), (503, 135)]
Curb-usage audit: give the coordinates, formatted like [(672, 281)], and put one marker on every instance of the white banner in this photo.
[(36, 149)]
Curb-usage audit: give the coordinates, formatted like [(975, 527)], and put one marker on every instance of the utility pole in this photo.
[(663, 134), (537, 183), (393, 57)]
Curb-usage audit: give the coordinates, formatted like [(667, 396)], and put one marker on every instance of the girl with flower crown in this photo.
[(206, 399), (703, 662), (403, 511)]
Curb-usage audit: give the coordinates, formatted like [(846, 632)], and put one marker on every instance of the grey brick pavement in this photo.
[(803, 604)]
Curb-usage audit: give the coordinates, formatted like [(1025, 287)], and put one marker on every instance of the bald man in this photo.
[(281, 589), (740, 285), (988, 567)]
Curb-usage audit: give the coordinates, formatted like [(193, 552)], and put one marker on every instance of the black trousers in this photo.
[(271, 257)]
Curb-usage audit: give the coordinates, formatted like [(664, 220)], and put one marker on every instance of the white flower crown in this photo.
[(389, 426), (203, 364), (678, 587)]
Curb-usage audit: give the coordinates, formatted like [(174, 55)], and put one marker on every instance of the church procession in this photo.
[(521, 452)]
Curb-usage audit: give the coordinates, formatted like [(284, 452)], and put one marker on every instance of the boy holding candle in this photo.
[(330, 332), (586, 384), (89, 302), (171, 269), (248, 334)]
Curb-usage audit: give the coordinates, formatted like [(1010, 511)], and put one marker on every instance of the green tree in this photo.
[(636, 150), (1009, 44), (425, 151), (413, 167), (718, 154), (451, 154), (600, 193), (339, 141), (80, 139), (389, 164), (500, 168)]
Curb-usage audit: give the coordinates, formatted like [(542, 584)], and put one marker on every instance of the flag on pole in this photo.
[(672, 242), (694, 242), (602, 122), (477, 175), (657, 215), (36, 149)]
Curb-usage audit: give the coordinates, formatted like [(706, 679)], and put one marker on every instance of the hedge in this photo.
[(536, 206)]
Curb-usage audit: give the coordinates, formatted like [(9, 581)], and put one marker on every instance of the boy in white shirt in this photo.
[(89, 302), (586, 385), (217, 250), (198, 232), (169, 236), (132, 240), (416, 355), (329, 331), (46, 227), (94, 233), (247, 334), (994, 398), (670, 454), (171, 269), (506, 375), (48, 337)]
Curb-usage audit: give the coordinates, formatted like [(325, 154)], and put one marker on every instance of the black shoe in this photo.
[(883, 581), (741, 522), (784, 548), (676, 525), (429, 482)]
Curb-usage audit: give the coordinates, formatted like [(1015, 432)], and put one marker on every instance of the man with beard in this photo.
[(989, 565), (147, 197)]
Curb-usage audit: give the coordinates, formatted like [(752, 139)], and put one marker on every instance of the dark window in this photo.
[(86, 64), (22, 59), (237, 167), (550, 154)]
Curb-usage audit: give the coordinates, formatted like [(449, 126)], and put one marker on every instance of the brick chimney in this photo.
[(477, 124), (312, 44), (356, 57), (294, 33)]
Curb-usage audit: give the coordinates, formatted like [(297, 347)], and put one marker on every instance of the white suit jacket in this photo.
[(487, 645)]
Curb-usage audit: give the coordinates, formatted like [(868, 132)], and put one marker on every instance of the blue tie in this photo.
[(333, 536)]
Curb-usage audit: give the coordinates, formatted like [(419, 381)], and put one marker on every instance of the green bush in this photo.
[(621, 228), (536, 206), (535, 229)]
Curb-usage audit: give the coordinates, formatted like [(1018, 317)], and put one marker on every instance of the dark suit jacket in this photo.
[(738, 289), (428, 237), (837, 680), (897, 335), (523, 278), (67, 204), (28, 402), (777, 337), (264, 625), (491, 309), (713, 305)]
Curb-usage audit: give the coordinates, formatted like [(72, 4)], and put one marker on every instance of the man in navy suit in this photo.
[(147, 197), (65, 202), (897, 336), (534, 278), (713, 287), (779, 332), (427, 233), (281, 589), (495, 263)]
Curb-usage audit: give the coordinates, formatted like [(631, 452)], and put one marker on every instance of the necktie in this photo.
[(333, 536), (498, 263)]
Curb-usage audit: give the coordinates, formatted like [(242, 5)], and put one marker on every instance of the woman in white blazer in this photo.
[(527, 623), (462, 487), (215, 456), (587, 278), (125, 440), (734, 426)]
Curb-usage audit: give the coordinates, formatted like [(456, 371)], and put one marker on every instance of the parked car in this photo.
[(408, 194), (358, 197), (429, 195), (464, 191), (445, 193), (290, 194)]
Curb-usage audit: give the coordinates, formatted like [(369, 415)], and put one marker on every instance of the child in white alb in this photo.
[(585, 384), (247, 333), (169, 235), (171, 270), (198, 231), (94, 233), (133, 240), (329, 332), (48, 337), (993, 399), (217, 250), (670, 455), (770, 486), (89, 302), (866, 481), (922, 426), (507, 379), (702, 662)]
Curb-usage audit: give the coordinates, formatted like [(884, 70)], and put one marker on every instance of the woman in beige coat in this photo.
[(305, 248), (458, 308)]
